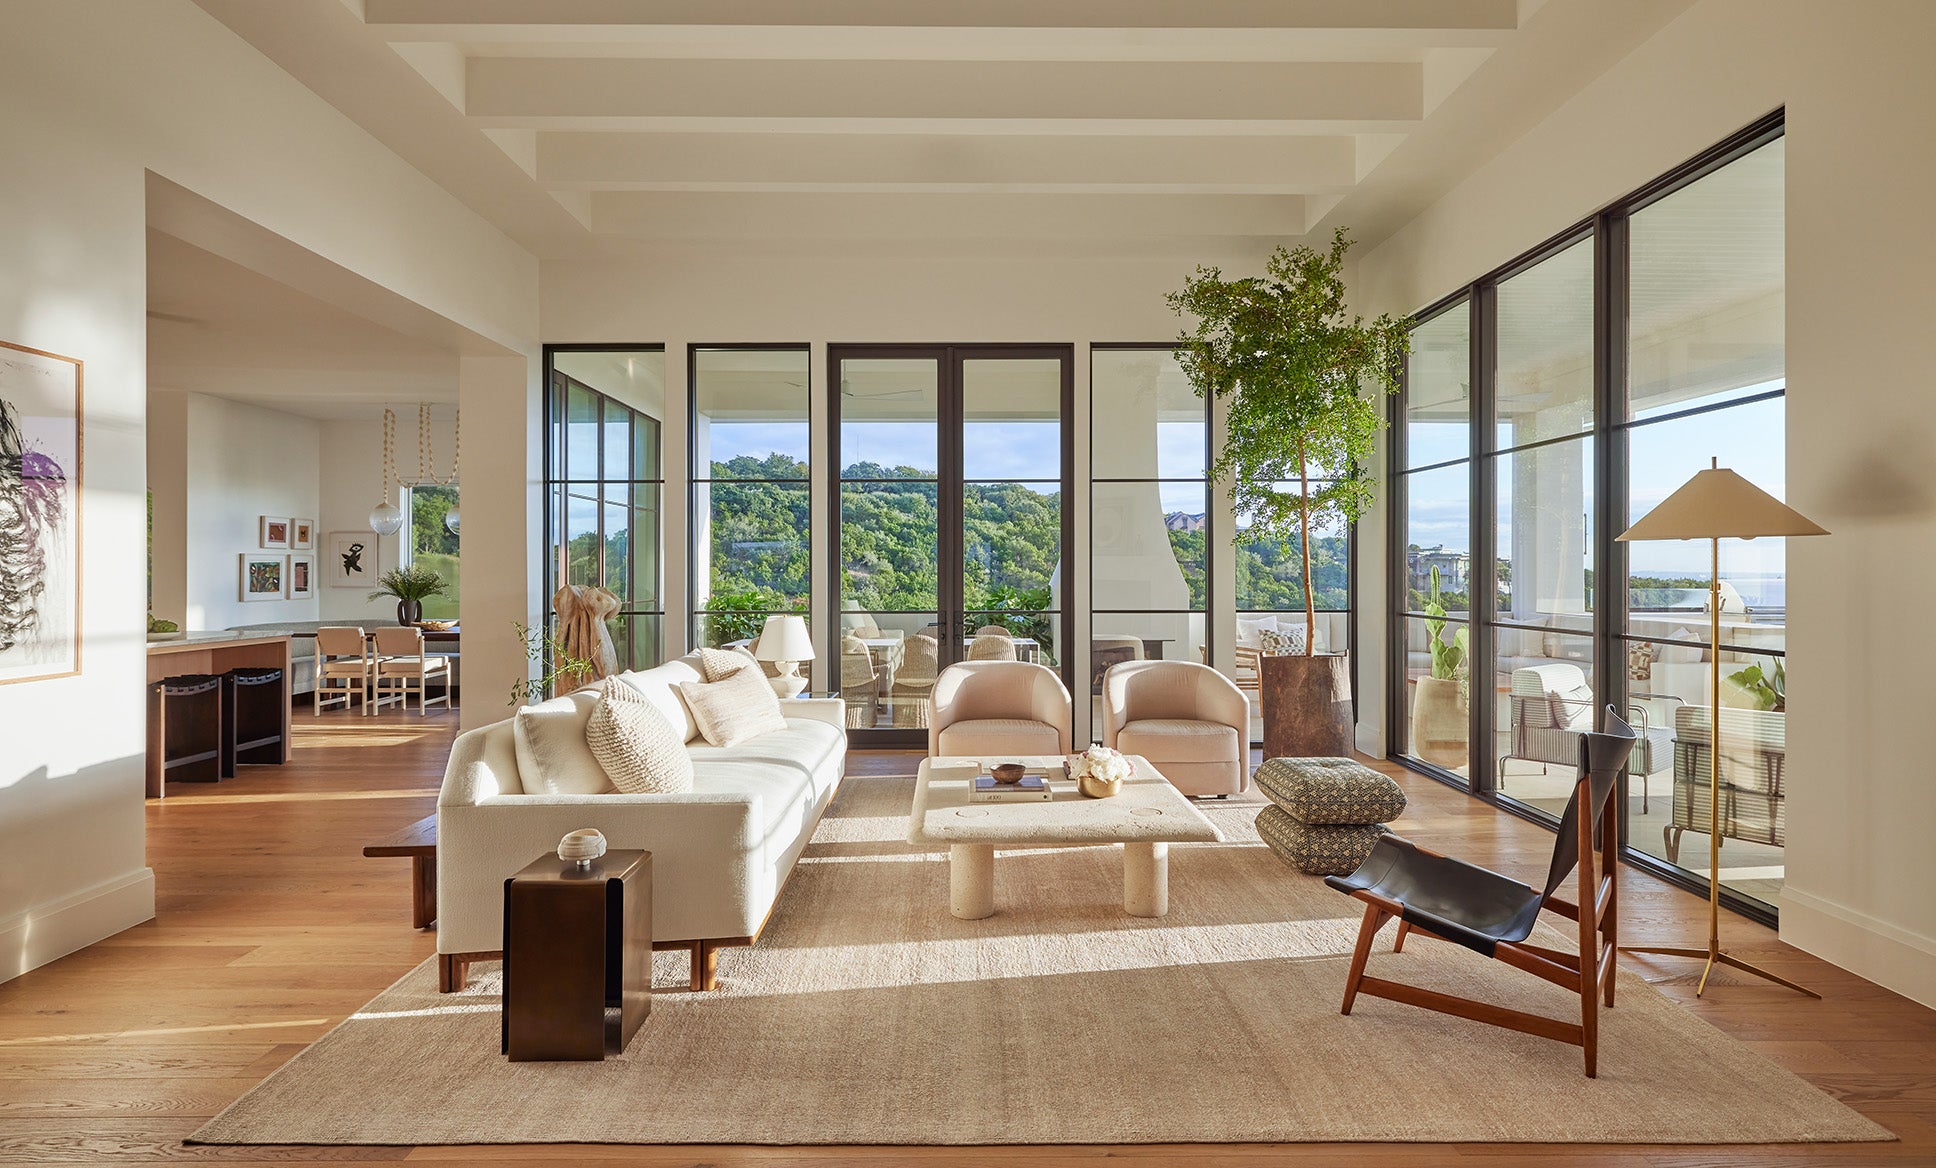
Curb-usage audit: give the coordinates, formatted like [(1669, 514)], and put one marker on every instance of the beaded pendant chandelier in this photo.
[(386, 518)]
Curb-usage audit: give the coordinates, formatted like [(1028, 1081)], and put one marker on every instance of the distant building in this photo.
[(1178, 521), (1454, 568)]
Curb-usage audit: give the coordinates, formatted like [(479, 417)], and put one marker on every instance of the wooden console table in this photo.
[(217, 653)]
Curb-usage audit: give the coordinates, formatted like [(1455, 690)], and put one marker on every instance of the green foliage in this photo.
[(412, 583), (428, 507), (445, 605), (1448, 658), (1768, 691), (739, 613), (1295, 368), (1270, 576), (552, 662)]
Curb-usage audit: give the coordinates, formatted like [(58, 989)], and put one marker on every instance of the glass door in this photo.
[(949, 519)]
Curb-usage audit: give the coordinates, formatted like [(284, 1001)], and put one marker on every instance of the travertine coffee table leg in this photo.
[(971, 881), (1146, 879)]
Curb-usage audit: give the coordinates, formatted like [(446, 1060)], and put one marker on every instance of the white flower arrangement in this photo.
[(1102, 763)]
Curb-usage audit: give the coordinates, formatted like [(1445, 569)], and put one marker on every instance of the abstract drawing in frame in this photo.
[(40, 514), (302, 577), (274, 531), (302, 535), (351, 560), (264, 577)]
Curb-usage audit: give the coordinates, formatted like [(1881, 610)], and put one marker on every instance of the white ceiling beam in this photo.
[(944, 217), (862, 162), (523, 92), (1145, 14)]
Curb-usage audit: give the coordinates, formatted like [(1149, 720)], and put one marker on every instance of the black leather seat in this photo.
[(1495, 915)]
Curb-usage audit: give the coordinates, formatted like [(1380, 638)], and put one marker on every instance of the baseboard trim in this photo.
[(1886, 954), (48, 932)]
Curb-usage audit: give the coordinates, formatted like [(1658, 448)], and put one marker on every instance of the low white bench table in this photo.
[(1146, 817)]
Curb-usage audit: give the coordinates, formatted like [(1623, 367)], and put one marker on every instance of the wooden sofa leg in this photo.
[(705, 966), (453, 971)]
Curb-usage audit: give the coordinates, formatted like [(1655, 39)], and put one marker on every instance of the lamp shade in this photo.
[(1719, 504), (785, 638)]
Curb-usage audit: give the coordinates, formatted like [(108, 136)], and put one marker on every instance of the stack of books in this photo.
[(1034, 788)]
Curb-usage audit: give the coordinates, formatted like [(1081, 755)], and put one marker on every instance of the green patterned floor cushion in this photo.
[(1330, 790), (1322, 849)]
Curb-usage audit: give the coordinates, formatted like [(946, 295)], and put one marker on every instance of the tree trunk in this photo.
[(1304, 539)]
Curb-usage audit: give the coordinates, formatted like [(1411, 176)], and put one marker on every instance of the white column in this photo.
[(1076, 586), (501, 572), (821, 477), (675, 462)]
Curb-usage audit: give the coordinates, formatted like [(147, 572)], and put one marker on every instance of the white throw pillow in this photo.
[(660, 685), (1682, 654), (642, 752), (731, 711), (1249, 630), (553, 758), (718, 664)]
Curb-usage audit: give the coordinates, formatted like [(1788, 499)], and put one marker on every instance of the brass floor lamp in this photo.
[(1714, 505)]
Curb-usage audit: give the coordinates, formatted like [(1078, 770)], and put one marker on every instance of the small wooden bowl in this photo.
[(1009, 772)]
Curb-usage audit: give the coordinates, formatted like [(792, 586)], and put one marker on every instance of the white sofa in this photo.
[(720, 854)]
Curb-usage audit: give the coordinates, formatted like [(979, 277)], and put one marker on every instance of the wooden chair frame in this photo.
[(1589, 973)]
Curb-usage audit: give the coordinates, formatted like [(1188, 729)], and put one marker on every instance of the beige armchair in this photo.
[(995, 646), (1189, 720), (999, 708)]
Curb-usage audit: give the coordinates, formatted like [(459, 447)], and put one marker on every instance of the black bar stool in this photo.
[(185, 729), (253, 701)]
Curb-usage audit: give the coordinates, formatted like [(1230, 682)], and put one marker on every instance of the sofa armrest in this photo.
[(832, 711)]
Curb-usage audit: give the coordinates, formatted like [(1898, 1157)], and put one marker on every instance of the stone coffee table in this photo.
[(1146, 817)]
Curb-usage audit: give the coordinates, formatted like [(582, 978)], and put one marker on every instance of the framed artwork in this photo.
[(264, 577), (302, 577), (302, 535), (352, 560), (274, 531), (40, 514)]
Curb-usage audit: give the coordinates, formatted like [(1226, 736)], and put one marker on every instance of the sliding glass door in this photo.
[(949, 519)]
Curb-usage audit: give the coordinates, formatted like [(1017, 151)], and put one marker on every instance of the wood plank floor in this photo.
[(271, 927)]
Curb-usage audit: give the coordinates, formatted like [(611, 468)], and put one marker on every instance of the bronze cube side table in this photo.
[(577, 957)]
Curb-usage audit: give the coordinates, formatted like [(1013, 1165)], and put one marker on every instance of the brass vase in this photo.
[(1098, 788)]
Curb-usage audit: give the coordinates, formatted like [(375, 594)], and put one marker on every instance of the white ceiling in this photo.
[(219, 328), (1142, 125)]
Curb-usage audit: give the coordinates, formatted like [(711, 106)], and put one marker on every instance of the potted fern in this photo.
[(1302, 379), (1440, 727), (410, 586)]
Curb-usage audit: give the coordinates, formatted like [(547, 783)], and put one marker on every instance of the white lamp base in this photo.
[(789, 683)]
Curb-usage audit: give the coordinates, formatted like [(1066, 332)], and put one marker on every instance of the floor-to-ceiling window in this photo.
[(1705, 379), (752, 514), (1150, 531), (1611, 364), (1431, 500), (603, 486), (430, 540)]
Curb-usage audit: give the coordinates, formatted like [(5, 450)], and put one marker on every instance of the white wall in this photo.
[(352, 461), (97, 93), (1855, 82), (243, 462)]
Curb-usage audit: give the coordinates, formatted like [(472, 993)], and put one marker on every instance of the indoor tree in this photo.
[(1303, 380)]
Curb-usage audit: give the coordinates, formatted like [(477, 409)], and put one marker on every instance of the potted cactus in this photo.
[(1440, 726)]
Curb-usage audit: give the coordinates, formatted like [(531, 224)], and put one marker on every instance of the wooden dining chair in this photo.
[(1494, 915), (401, 660), (343, 667)]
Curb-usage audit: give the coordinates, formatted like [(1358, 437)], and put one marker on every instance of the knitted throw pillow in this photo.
[(719, 664), (732, 710), (642, 752)]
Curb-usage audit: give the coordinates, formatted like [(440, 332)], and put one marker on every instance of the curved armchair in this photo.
[(915, 680), (999, 708), (1187, 719), (995, 646)]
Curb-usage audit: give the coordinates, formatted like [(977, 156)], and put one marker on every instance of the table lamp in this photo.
[(1714, 505), (785, 640)]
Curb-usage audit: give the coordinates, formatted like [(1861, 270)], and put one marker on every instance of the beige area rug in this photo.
[(869, 1015)]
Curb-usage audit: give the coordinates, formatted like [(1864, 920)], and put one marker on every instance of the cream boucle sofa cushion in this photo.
[(660, 685), (732, 710), (642, 752), (719, 664), (553, 758)]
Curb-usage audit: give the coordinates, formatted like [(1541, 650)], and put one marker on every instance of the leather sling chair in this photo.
[(1493, 915)]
